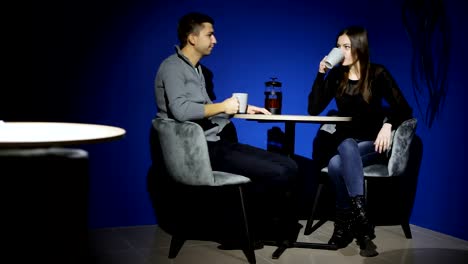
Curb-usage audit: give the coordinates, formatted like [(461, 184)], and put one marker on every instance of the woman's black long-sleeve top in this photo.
[(367, 118)]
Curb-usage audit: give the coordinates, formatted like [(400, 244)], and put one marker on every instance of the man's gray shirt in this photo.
[(181, 94)]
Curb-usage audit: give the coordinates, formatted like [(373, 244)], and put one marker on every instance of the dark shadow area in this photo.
[(52, 51), (307, 184), (195, 213), (208, 74), (309, 176), (428, 29), (47, 209)]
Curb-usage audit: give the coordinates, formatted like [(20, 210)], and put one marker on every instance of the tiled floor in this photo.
[(150, 245)]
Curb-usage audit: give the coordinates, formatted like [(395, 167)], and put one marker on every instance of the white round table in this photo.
[(42, 134), (47, 185)]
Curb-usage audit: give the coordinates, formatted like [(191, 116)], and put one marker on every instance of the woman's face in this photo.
[(345, 45)]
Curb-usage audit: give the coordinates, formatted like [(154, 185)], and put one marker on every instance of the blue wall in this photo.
[(95, 62)]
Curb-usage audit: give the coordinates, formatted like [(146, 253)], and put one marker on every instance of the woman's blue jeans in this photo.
[(346, 169)]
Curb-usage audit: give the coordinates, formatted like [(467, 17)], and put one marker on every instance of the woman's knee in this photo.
[(334, 166)]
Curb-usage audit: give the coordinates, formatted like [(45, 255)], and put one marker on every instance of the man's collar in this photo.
[(183, 57)]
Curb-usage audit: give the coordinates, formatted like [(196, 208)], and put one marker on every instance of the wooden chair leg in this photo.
[(176, 245)]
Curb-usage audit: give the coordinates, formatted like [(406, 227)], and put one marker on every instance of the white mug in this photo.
[(242, 98), (335, 56)]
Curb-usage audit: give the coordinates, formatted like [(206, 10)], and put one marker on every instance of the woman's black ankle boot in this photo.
[(362, 229), (342, 234)]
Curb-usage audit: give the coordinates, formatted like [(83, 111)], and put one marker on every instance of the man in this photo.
[(181, 94)]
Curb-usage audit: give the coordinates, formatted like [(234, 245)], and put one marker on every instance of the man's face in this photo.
[(205, 40)]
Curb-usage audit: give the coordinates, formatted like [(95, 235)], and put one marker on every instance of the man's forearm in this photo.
[(214, 109)]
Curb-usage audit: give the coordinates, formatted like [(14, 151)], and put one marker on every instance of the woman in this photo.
[(359, 88)]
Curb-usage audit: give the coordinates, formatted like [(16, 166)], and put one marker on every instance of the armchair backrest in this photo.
[(185, 154), (185, 151)]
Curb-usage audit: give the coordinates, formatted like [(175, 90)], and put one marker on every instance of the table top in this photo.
[(40, 134), (294, 118)]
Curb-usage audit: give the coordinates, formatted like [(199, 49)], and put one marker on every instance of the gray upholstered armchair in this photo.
[(390, 187), (191, 201)]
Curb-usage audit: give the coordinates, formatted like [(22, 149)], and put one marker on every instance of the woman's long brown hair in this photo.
[(359, 49)]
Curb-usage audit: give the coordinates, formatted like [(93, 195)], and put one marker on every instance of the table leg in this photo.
[(289, 133)]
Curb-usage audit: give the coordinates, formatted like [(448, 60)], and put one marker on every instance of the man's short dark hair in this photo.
[(191, 23)]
